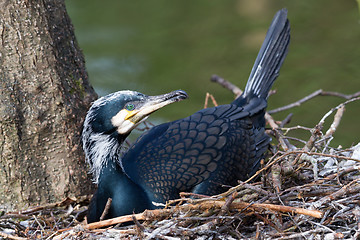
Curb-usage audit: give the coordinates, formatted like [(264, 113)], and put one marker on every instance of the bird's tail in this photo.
[(269, 60)]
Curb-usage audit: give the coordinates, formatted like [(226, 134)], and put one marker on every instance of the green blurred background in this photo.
[(159, 46)]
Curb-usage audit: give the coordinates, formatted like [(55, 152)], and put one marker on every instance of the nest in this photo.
[(308, 192)]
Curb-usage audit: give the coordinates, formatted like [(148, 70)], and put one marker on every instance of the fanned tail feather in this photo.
[(269, 60)]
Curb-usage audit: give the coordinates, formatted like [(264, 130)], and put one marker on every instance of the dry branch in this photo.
[(9, 236), (319, 92), (226, 84), (208, 95), (106, 209), (337, 118), (352, 187), (202, 207)]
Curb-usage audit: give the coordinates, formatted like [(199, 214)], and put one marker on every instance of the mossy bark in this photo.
[(44, 95)]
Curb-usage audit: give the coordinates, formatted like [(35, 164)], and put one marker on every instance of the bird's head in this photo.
[(122, 111), (111, 119)]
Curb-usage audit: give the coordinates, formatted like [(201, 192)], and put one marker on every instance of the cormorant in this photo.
[(108, 122), (201, 153)]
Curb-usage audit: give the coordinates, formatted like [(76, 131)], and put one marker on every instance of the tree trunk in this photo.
[(44, 96)]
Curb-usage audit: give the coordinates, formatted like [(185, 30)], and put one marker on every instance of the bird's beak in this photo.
[(153, 103)]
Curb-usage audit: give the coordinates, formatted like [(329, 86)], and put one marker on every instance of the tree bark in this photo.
[(44, 96)]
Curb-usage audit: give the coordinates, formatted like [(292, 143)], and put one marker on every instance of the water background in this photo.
[(159, 46)]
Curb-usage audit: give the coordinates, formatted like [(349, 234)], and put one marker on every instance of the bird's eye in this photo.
[(130, 107)]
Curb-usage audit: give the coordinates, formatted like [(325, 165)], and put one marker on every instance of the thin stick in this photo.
[(203, 206), (127, 218), (319, 92), (336, 108), (303, 235), (337, 118), (159, 230), (257, 189), (206, 100), (211, 204), (208, 95), (213, 100), (226, 84), (9, 236), (287, 130), (279, 208), (254, 206), (341, 192), (297, 103), (67, 201), (106, 209), (326, 155), (285, 144)]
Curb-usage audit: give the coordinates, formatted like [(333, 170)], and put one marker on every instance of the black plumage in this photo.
[(197, 154), (107, 124), (201, 153)]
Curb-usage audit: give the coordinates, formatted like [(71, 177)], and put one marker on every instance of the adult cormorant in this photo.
[(201, 153)]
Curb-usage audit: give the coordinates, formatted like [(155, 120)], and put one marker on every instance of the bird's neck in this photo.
[(127, 197), (103, 152), (110, 172)]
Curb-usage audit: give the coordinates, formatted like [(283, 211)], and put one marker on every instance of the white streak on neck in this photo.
[(99, 148)]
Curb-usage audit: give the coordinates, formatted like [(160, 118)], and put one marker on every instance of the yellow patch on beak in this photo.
[(129, 114)]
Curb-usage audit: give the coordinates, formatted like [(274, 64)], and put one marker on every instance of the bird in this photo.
[(202, 153), (107, 124)]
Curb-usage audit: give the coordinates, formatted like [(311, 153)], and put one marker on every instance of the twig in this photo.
[(106, 209), (278, 208), (225, 208), (190, 194), (138, 227), (341, 95), (285, 144), (276, 177), (257, 189), (208, 95), (67, 201), (37, 221), (113, 221), (226, 84), (336, 108), (206, 205), (14, 215), (341, 192), (286, 120), (258, 235), (315, 135), (206, 100), (9, 236), (303, 234), (159, 230), (337, 118), (295, 128), (267, 221), (356, 212), (327, 155), (213, 100), (295, 139), (297, 103), (319, 92)]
